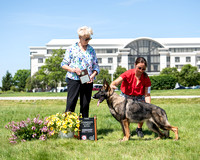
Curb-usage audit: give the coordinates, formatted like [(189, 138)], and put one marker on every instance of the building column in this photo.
[(163, 58)]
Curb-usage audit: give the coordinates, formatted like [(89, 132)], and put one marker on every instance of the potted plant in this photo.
[(64, 125)]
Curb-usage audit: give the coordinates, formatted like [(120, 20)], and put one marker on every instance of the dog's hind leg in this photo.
[(125, 127), (153, 127)]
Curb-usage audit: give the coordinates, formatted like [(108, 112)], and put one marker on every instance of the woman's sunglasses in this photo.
[(87, 39), (140, 68)]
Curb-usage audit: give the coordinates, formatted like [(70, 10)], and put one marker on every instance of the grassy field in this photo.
[(153, 93), (184, 113)]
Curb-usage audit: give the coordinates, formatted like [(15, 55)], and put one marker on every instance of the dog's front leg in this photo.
[(125, 127)]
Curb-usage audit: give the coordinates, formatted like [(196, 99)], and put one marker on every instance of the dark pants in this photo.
[(74, 88)]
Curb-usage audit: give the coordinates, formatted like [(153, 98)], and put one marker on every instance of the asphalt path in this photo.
[(64, 98)]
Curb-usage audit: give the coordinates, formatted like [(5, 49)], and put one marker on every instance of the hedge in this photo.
[(162, 82)]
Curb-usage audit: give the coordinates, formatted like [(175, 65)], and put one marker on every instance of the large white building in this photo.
[(159, 52)]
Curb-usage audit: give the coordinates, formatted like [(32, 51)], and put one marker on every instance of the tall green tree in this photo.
[(104, 74), (20, 78), (52, 68), (189, 76), (7, 81), (118, 72)]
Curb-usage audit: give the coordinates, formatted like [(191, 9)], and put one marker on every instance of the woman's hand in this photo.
[(116, 82), (92, 76), (76, 70)]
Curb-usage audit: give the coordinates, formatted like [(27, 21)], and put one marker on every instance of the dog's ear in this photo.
[(106, 85)]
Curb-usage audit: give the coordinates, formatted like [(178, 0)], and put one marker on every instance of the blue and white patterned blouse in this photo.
[(76, 58)]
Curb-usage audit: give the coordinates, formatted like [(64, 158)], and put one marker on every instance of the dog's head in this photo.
[(103, 93)]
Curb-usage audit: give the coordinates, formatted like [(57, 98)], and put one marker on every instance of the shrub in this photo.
[(162, 82)]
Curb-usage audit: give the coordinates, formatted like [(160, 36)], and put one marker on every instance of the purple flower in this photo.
[(13, 142), (14, 136), (40, 122), (28, 120), (33, 128), (23, 140), (44, 129), (42, 137), (34, 135), (22, 124), (35, 120)]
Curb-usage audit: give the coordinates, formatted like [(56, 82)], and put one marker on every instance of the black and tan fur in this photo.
[(128, 111)]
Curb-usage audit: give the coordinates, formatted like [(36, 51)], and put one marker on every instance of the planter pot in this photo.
[(66, 135)]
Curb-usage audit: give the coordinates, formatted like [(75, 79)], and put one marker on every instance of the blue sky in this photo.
[(27, 23)]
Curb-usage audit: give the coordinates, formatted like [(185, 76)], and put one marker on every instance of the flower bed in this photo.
[(42, 129)]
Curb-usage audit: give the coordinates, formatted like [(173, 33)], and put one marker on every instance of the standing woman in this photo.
[(135, 85), (78, 57)]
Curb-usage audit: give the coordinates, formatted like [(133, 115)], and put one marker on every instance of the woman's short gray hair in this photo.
[(85, 31)]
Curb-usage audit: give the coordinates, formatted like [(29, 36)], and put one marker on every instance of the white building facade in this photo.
[(111, 53)]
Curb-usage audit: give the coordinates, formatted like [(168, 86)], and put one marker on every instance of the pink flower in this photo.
[(34, 135), (40, 122), (33, 128), (28, 120), (42, 137), (35, 120), (44, 129), (13, 142)]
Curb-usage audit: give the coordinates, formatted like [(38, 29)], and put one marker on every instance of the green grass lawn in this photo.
[(64, 94), (184, 113)]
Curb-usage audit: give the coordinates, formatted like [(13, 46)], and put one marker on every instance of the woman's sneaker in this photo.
[(139, 132)]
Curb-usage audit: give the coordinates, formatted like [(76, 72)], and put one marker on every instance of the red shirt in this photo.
[(129, 82)]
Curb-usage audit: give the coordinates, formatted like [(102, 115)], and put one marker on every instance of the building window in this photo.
[(39, 68), (178, 66), (105, 67), (110, 60), (177, 59), (99, 60), (147, 49), (106, 50), (198, 66), (198, 59), (33, 53), (49, 51), (40, 60), (119, 59), (184, 49), (188, 59), (155, 67), (168, 59)]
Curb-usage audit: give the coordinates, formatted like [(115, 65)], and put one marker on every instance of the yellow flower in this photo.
[(70, 125), (77, 121), (51, 128), (64, 131), (58, 123), (78, 125), (76, 129)]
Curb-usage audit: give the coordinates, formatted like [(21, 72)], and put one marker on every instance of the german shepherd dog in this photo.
[(128, 111)]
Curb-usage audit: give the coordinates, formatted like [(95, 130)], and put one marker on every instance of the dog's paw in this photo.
[(124, 139), (158, 138)]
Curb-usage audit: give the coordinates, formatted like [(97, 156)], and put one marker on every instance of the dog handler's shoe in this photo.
[(139, 132)]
